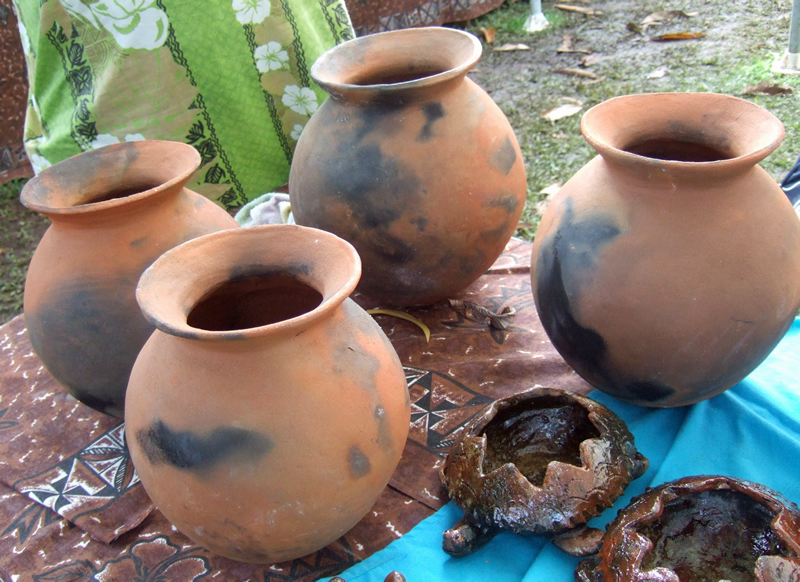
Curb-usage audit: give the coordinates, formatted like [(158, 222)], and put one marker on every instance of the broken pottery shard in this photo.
[(700, 529), (541, 462)]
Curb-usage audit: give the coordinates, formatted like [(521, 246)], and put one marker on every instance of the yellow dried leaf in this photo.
[(402, 315), (577, 73), (561, 112), (513, 47), (578, 9), (677, 36), (488, 34), (767, 88)]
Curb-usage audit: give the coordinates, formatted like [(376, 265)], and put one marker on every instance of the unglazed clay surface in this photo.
[(541, 462), (114, 211), (700, 529), (668, 267), (411, 162), (268, 411)]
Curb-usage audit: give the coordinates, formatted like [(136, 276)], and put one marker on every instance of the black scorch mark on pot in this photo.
[(504, 157), (433, 112), (358, 462), (192, 452)]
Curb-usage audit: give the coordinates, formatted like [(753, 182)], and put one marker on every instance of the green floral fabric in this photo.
[(230, 77)]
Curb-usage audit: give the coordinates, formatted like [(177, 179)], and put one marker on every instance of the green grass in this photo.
[(19, 236), (511, 17)]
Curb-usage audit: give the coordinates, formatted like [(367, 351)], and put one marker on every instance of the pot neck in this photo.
[(697, 137), (397, 66), (112, 183)]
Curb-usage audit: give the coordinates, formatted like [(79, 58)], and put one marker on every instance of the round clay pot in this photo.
[(700, 529), (411, 162), (114, 210), (668, 267), (268, 411)]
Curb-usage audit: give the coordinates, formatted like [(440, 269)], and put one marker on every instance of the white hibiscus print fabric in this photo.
[(302, 101), (251, 11), (135, 24), (296, 131), (271, 57)]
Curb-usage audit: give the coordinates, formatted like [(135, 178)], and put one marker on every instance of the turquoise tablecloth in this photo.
[(752, 431)]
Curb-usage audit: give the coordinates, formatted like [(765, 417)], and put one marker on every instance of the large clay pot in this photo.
[(268, 411), (411, 162), (114, 211), (668, 267)]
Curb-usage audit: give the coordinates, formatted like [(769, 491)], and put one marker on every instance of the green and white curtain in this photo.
[(230, 77)]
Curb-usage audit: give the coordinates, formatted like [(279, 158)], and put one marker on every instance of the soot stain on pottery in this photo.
[(89, 335), (504, 157), (139, 241), (375, 187), (564, 259), (192, 452), (433, 112), (358, 463)]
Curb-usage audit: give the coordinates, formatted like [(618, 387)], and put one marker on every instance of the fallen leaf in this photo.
[(677, 36), (657, 18), (551, 189), (495, 320), (579, 9), (590, 60), (402, 315), (577, 73), (658, 73), (633, 27), (566, 46), (561, 112), (488, 34), (512, 47), (767, 88)]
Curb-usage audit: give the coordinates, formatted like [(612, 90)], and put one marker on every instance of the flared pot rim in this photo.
[(445, 53), (183, 276), (73, 177), (743, 132)]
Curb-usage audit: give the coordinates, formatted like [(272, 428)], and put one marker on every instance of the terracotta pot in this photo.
[(700, 529), (114, 210), (411, 162), (268, 411), (668, 267)]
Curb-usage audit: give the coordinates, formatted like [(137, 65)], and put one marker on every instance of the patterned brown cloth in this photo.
[(369, 16), (13, 99), (56, 454)]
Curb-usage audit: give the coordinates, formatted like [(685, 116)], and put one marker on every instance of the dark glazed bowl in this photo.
[(542, 462), (700, 529)]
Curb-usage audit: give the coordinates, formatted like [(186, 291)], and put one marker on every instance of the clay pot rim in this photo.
[(412, 37), (185, 291), (54, 173), (770, 134)]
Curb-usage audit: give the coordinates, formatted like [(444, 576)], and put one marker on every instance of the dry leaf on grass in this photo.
[(562, 111), (677, 36), (578, 9), (590, 60), (512, 47), (488, 34), (658, 73), (550, 191), (767, 88), (663, 16), (577, 73), (567, 46)]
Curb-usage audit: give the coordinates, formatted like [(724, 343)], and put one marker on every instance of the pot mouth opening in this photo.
[(254, 301), (729, 532), (110, 176), (536, 431), (677, 150), (396, 60)]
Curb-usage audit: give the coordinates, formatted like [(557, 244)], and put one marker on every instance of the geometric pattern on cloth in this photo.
[(85, 482), (440, 407)]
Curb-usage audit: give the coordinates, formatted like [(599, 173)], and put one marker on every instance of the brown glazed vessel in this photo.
[(700, 529), (114, 210), (411, 162), (541, 462), (268, 411), (668, 267)]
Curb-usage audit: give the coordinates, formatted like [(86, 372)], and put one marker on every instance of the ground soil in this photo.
[(741, 39)]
